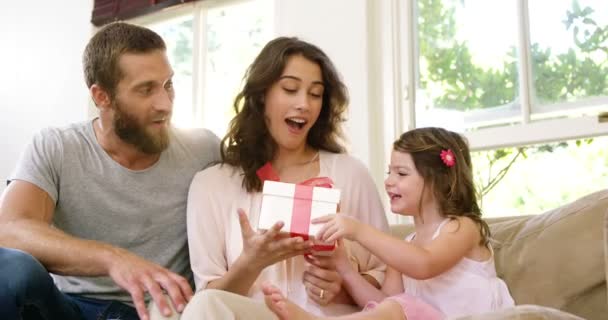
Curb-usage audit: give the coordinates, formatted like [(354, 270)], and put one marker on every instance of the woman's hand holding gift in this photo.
[(265, 248)]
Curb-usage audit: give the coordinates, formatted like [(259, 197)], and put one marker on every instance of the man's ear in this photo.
[(100, 97)]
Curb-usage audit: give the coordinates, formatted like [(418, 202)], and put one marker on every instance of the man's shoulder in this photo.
[(69, 134), (196, 138), (200, 145), (194, 133)]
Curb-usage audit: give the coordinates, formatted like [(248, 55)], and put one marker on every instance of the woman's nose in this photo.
[(302, 103)]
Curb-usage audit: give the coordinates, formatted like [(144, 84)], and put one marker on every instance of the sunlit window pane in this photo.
[(569, 51), (467, 63), (541, 177), (235, 35), (177, 34)]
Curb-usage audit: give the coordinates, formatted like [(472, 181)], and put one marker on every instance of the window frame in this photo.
[(396, 21), (105, 11), (199, 11), (532, 128)]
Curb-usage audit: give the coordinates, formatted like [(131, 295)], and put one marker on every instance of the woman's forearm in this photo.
[(361, 287), (412, 260), (239, 278)]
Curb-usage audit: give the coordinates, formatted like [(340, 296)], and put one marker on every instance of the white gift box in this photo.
[(296, 205)]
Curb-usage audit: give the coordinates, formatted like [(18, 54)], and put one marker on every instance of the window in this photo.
[(235, 35), (540, 177), (467, 63), (178, 33), (210, 45), (521, 79), (488, 64)]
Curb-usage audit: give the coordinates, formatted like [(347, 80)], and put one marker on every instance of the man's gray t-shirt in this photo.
[(98, 199)]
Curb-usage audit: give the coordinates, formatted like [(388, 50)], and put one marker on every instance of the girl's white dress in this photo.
[(470, 287)]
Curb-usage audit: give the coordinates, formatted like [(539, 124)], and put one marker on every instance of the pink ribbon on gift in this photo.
[(300, 216), (266, 172)]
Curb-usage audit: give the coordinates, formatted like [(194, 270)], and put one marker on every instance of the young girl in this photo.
[(443, 269)]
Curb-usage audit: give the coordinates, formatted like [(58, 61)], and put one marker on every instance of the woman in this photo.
[(288, 122)]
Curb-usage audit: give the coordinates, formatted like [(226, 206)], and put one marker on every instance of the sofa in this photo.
[(555, 263)]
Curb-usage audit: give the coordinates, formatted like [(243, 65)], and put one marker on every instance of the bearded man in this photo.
[(93, 222)]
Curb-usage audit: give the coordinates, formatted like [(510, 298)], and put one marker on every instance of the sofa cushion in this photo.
[(557, 258), (524, 312), (606, 250)]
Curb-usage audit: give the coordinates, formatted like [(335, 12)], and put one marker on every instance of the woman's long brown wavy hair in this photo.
[(453, 187), (248, 143)]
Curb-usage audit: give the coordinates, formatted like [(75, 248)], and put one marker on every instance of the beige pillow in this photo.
[(557, 259), (606, 249), (523, 312)]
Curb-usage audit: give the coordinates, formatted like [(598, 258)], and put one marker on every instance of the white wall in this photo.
[(42, 84), (338, 27)]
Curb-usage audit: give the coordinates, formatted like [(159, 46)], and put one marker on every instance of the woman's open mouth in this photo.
[(295, 125)]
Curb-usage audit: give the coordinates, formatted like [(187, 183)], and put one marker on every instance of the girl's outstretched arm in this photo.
[(456, 239)]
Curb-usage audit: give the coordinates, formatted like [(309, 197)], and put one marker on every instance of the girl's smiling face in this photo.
[(405, 186)]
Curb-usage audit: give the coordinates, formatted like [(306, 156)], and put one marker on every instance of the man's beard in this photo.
[(130, 131)]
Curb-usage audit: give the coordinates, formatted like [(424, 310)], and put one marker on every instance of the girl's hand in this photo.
[(265, 248), (337, 226)]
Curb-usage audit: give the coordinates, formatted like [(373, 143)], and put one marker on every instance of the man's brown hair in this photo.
[(101, 55)]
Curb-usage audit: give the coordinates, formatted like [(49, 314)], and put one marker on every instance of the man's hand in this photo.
[(138, 276), (26, 212)]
